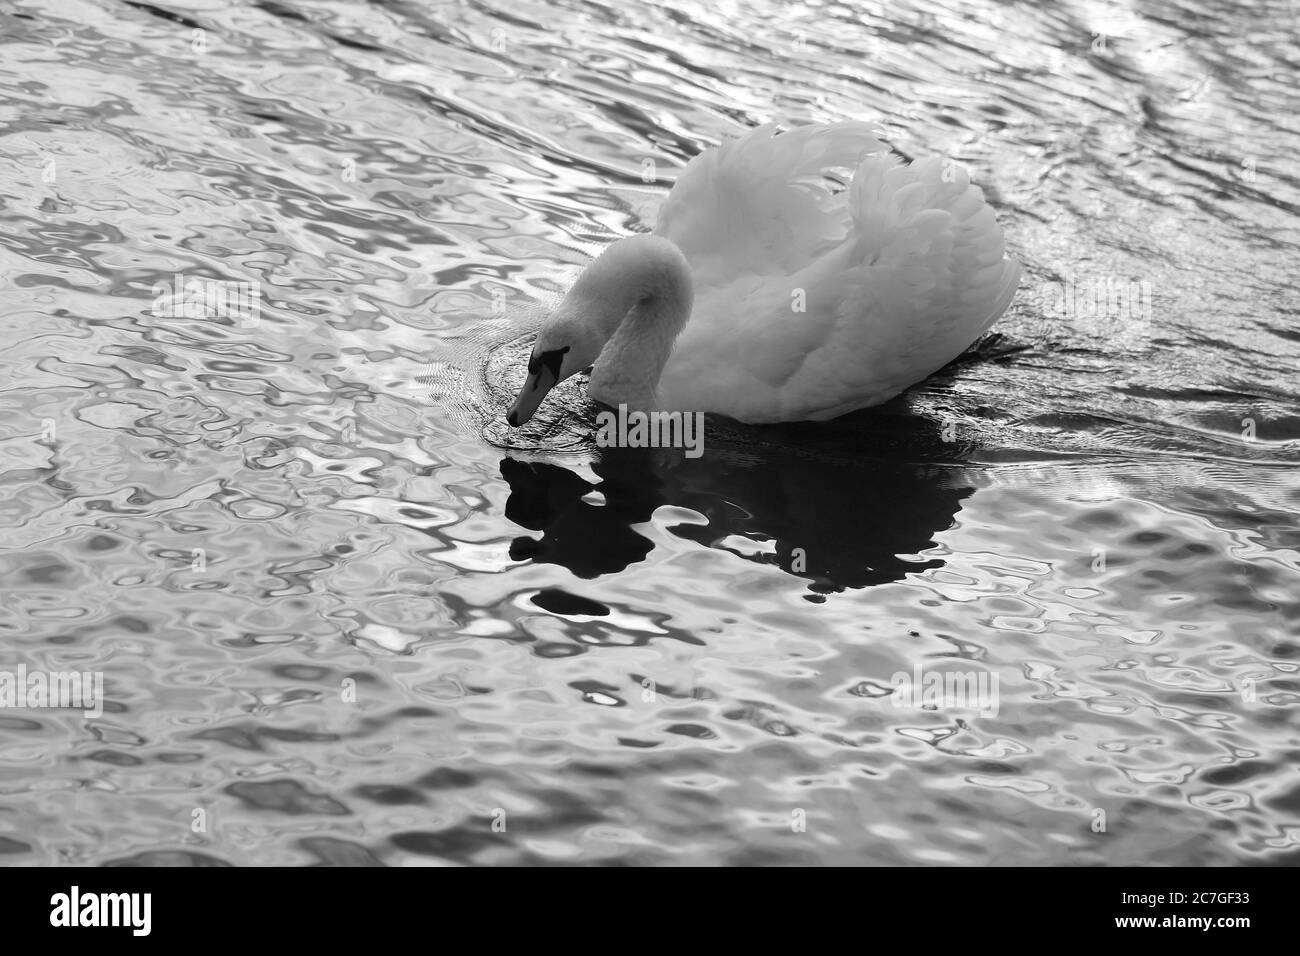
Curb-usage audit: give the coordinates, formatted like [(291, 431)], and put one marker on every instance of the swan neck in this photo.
[(647, 283)]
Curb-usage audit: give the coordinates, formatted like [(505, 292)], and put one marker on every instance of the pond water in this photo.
[(341, 616)]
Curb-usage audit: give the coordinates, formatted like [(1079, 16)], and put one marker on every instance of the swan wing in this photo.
[(918, 272), (762, 204)]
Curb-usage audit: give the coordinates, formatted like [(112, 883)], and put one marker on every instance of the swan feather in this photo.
[(899, 273)]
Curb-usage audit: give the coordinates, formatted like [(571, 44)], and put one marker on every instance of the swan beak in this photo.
[(530, 396), (543, 373)]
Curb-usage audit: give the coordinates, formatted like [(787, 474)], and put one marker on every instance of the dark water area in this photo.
[(344, 615)]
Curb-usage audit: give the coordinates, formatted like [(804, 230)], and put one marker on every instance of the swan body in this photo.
[(765, 295)]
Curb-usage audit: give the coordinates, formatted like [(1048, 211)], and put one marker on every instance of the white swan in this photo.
[(766, 295)]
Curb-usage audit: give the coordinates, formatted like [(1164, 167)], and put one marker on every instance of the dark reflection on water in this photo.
[(838, 504), (344, 617)]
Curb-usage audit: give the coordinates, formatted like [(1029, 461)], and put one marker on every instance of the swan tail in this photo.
[(930, 243)]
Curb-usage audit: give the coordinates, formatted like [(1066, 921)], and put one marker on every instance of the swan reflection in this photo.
[(841, 504)]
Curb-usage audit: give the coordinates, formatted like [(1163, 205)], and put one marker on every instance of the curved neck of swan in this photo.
[(639, 294)]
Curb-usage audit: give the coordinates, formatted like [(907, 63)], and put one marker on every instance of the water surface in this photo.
[(346, 616)]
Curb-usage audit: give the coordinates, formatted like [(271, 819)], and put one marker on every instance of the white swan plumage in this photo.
[(768, 295)]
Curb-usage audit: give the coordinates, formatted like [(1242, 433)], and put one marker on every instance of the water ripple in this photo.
[(345, 617)]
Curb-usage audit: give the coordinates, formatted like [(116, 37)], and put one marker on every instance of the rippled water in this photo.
[(343, 614)]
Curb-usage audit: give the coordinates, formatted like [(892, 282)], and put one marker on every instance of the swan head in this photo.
[(564, 348), (626, 309)]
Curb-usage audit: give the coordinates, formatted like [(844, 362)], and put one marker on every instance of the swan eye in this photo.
[(550, 360)]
